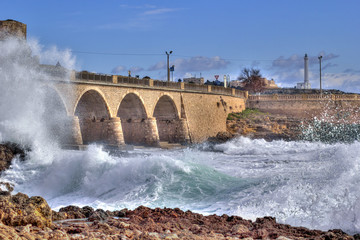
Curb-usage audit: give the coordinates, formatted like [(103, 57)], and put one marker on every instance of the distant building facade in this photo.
[(195, 80)]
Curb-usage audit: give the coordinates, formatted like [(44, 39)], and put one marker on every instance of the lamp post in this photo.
[(168, 69), (320, 57)]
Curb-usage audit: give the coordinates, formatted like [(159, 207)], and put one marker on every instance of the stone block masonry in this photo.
[(12, 28), (304, 106), (117, 114)]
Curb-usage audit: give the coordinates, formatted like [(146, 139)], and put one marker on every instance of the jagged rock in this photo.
[(98, 215), (72, 212), (141, 223), (20, 210), (7, 152), (259, 125), (87, 211), (221, 137), (6, 155)]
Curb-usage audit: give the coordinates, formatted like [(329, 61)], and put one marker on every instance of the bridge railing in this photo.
[(93, 76), (126, 80), (130, 80), (195, 87), (174, 85)]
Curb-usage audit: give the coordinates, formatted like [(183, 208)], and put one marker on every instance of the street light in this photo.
[(320, 57), (168, 69)]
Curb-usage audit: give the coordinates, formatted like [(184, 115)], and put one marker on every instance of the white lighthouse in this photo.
[(306, 84), (306, 70)]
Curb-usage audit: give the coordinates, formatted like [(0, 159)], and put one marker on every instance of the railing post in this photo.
[(209, 88), (151, 82), (182, 85), (115, 79), (233, 91)]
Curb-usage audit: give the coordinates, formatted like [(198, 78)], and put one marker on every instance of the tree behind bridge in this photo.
[(252, 80)]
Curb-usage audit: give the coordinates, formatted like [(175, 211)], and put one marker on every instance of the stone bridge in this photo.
[(117, 110)]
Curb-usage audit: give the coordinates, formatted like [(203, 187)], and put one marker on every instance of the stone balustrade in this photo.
[(147, 82)]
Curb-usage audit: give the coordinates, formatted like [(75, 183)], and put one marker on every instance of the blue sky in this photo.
[(206, 37)]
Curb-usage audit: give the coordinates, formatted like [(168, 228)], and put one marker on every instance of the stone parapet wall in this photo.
[(303, 105), (156, 84), (206, 114), (287, 97)]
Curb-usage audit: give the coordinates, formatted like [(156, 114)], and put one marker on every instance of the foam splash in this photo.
[(24, 99)]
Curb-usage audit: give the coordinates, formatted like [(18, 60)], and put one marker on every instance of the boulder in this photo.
[(20, 210), (7, 152)]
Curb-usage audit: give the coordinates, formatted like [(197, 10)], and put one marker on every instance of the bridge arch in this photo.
[(93, 113), (167, 119), (132, 113)]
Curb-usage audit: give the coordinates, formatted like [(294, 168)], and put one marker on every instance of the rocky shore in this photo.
[(258, 125), (23, 217), (254, 124)]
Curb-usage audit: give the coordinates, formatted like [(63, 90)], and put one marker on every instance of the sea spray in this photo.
[(338, 121), (29, 109), (329, 132)]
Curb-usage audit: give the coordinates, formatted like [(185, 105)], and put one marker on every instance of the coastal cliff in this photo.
[(255, 124)]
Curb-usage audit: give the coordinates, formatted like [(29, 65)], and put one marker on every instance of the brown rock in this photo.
[(6, 155), (98, 215), (7, 152), (72, 212), (20, 210)]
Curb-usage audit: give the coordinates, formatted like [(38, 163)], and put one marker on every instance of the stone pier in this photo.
[(114, 132), (151, 132), (75, 137)]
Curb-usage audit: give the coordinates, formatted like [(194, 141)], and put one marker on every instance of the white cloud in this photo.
[(118, 69), (158, 66), (297, 61), (136, 69), (288, 71), (347, 82), (194, 64), (159, 11)]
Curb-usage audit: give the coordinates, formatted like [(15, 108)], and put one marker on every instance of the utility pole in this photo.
[(320, 57), (168, 68)]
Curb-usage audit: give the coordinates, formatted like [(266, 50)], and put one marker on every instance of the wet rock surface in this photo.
[(23, 217), (7, 152), (258, 125)]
